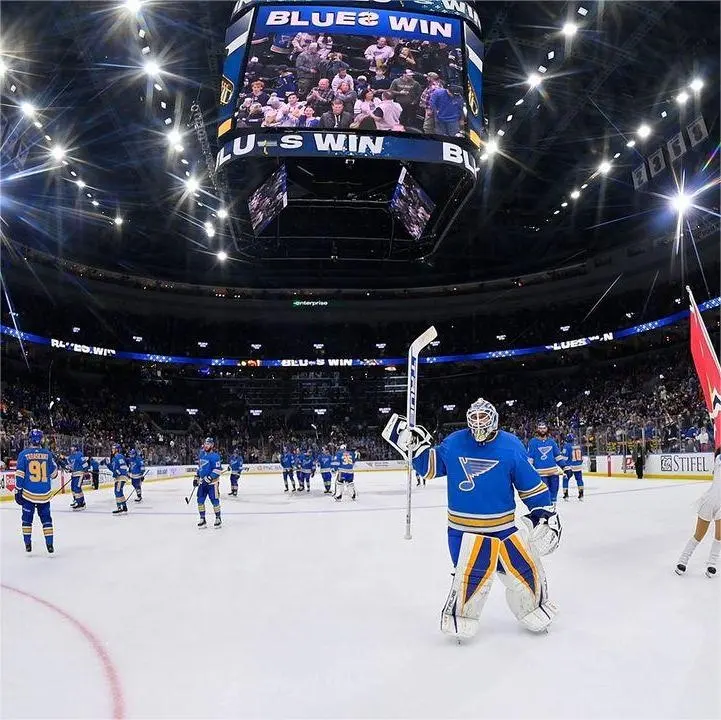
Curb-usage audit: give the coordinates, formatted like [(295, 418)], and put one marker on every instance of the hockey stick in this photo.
[(188, 499), (414, 351), (60, 489)]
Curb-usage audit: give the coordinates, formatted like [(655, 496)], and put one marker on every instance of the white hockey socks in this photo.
[(713, 557), (691, 545)]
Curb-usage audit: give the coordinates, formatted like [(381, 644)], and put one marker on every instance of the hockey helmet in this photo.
[(570, 437), (35, 437), (115, 448), (342, 446), (209, 441), (482, 420), (132, 453)]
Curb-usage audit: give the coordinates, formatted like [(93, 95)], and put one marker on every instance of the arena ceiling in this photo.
[(73, 80)]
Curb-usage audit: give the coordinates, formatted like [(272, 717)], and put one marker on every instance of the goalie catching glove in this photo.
[(544, 529), (414, 440)]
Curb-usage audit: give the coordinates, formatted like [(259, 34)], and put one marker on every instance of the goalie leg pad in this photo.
[(475, 565), (525, 581)]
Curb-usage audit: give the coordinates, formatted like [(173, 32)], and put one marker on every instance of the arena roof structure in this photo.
[(109, 145)]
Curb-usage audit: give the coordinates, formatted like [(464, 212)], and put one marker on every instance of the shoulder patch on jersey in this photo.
[(473, 467)]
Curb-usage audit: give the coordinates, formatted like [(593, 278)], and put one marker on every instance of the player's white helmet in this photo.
[(482, 419)]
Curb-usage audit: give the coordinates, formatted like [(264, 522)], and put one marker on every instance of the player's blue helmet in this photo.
[(209, 441), (132, 453), (35, 437), (570, 437), (482, 420), (115, 448)]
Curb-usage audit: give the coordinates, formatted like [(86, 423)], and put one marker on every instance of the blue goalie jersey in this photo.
[(481, 479)]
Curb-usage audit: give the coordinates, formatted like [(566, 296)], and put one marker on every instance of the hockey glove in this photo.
[(404, 439), (196, 481), (544, 529), (19, 496)]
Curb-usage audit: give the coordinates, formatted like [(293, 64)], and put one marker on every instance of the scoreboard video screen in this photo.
[(385, 79)]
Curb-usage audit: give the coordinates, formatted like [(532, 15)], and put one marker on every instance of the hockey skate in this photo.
[(580, 493), (50, 548), (218, 523), (711, 571), (233, 493), (565, 494), (28, 546), (120, 509), (78, 505), (139, 498), (680, 568), (203, 523)]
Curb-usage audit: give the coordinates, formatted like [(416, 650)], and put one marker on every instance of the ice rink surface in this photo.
[(304, 607)]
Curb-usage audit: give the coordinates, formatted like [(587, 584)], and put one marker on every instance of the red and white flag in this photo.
[(707, 367)]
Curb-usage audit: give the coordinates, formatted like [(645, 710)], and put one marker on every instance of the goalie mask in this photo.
[(482, 419)]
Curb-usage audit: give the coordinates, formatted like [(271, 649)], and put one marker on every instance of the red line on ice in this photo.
[(111, 673)]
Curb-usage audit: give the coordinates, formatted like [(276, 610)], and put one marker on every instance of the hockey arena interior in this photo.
[(360, 359)]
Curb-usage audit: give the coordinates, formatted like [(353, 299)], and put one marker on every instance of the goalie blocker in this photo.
[(483, 466)]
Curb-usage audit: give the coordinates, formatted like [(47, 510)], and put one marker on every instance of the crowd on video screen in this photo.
[(268, 200), (411, 205), (340, 82)]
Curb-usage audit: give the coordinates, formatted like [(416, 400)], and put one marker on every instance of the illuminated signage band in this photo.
[(356, 362)]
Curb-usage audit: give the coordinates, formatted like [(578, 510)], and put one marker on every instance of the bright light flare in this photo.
[(492, 147), (209, 229), (80, 183), (569, 29), (57, 153), (534, 80), (643, 131), (192, 184), (222, 255), (28, 109), (604, 168), (118, 220), (696, 84), (174, 137), (682, 97), (222, 213), (133, 6), (681, 203), (152, 68), (575, 194)]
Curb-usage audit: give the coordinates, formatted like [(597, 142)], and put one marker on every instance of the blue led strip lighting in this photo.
[(99, 351)]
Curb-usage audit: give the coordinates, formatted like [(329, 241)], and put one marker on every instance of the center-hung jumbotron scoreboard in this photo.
[(286, 62)]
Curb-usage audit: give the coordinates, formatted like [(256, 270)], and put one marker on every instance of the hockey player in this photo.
[(136, 472), (325, 463), (306, 466), (94, 467), (77, 465), (709, 508), (545, 455), (483, 465), (287, 463), (343, 463), (207, 481), (236, 467), (34, 474), (574, 465), (119, 468)]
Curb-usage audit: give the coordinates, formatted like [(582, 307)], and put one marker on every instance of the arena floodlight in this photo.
[(696, 84), (558, 404), (492, 147), (564, 204), (209, 229), (604, 168), (643, 131), (57, 153), (174, 137), (682, 97), (631, 143), (192, 184), (569, 29), (118, 220), (681, 203), (575, 194), (151, 68), (534, 80), (500, 337), (28, 109), (222, 213), (133, 6), (95, 203)]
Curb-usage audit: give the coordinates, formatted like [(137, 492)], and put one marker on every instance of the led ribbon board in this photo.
[(98, 351)]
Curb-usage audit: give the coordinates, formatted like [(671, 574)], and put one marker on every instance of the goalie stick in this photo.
[(414, 352)]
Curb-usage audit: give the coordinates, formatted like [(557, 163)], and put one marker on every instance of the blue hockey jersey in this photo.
[(287, 461), (306, 461), (77, 463), (35, 471), (118, 465), (236, 463), (574, 456), (136, 467), (344, 460), (209, 465), (481, 479), (545, 455), (325, 461)]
